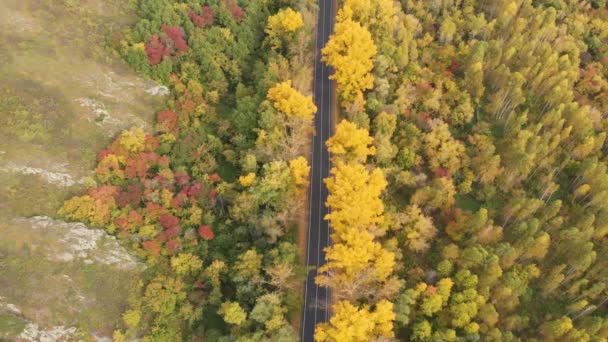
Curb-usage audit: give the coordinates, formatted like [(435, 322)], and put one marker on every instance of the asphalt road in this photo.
[(317, 299)]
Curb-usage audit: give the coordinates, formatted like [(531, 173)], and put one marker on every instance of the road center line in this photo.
[(311, 180), (320, 206)]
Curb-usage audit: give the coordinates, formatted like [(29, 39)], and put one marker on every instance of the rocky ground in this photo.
[(63, 96)]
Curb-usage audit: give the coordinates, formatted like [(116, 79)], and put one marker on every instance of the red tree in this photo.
[(104, 192), (176, 34), (168, 221), (206, 232), (167, 119), (156, 50), (203, 20), (441, 172), (132, 196), (152, 246), (213, 194), (173, 246), (237, 12), (181, 178), (173, 232)]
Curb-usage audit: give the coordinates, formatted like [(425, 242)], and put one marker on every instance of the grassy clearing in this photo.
[(10, 325)]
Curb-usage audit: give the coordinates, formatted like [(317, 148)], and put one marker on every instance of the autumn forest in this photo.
[(468, 189)]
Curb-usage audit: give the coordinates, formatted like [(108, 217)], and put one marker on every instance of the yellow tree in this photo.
[(282, 26), (248, 179), (351, 51), (376, 15), (350, 143), (441, 149), (357, 267), (299, 170), (352, 324), (186, 263), (291, 102), (354, 197)]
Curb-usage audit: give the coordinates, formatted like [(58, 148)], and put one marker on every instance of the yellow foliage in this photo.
[(291, 102), (350, 143), (85, 208), (163, 295), (195, 215), (233, 313), (354, 197), (133, 140), (131, 318), (441, 149), (186, 263), (118, 336), (351, 51), (214, 271), (248, 179), (357, 259), (166, 197), (148, 231), (300, 170), (109, 167), (352, 324), (376, 15), (283, 25)]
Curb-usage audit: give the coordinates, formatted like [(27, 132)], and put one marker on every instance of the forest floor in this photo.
[(63, 96)]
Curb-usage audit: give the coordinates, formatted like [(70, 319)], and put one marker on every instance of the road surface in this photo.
[(316, 299)]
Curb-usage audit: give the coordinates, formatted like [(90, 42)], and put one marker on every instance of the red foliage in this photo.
[(181, 178), (168, 221), (199, 284), (104, 192), (206, 232), (167, 119), (102, 154), (203, 20), (153, 210), (195, 189), (163, 182), (130, 197), (121, 222), (215, 177), (237, 12), (425, 86), (156, 50), (173, 232), (151, 143), (213, 194), (152, 246), (173, 246), (188, 106), (161, 237), (423, 118), (127, 223), (136, 167), (176, 34), (135, 218), (441, 172), (454, 66), (178, 201), (163, 161)]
